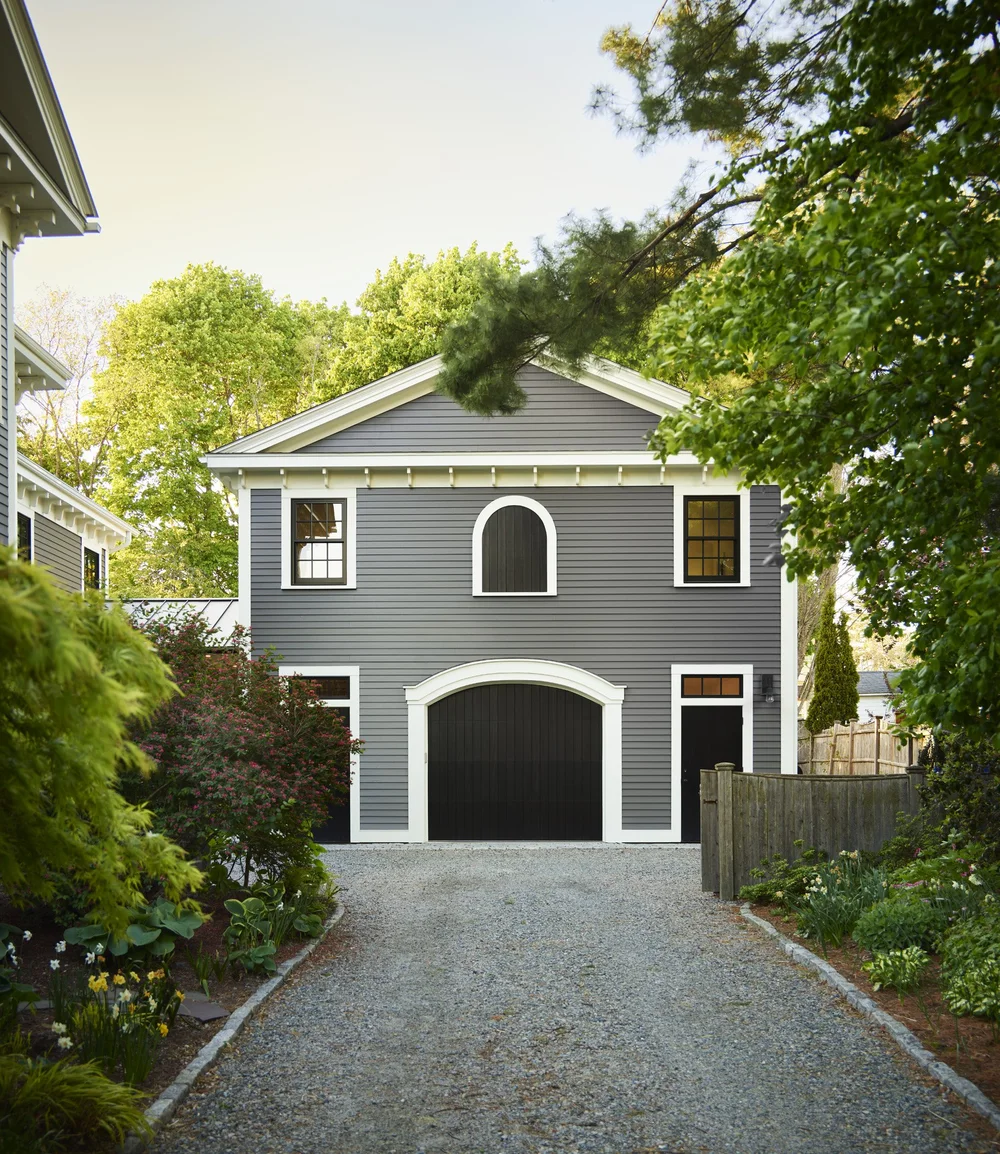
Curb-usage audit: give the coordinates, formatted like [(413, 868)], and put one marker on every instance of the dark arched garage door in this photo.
[(514, 762)]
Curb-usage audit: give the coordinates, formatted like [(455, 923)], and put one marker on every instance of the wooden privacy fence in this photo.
[(858, 748), (746, 817)]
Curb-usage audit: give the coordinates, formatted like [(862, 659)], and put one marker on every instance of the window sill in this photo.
[(711, 584), (300, 588), (480, 593)]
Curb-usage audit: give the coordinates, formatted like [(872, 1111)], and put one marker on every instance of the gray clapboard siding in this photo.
[(8, 532), (61, 551), (617, 614), (559, 415)]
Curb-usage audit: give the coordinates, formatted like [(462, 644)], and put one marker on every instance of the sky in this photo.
[(312, 141)]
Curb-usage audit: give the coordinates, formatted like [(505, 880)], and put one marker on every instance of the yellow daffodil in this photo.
[(98, 983), (119, 979), (164, 1029)]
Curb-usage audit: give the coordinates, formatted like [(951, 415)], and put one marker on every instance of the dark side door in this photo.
[(709, 734)]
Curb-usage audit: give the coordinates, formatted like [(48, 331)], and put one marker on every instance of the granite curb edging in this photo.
[(907, 1041), (165, 1106)]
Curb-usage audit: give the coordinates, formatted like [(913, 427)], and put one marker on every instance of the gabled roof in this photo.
[(41, 178), (418, 380)]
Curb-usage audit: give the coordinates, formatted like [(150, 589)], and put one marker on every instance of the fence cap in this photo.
[(725, 765)]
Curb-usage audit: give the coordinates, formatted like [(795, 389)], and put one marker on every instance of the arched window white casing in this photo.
[(551, 551), (506, 671)]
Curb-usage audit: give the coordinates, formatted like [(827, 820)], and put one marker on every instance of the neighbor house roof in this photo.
[(417, 381), (44, 493), (35, 368), (876, 682), (41, 179)]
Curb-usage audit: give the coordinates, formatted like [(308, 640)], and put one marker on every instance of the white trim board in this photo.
[(708, 488), (677, 702), (418, 380), (506, 671), (353, 703), (350, 497), (551, 546)]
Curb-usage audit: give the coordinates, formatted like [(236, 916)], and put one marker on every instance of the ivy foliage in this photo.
[(857, 304), (73, 676)]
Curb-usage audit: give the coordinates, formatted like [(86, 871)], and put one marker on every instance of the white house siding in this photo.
[(617, 614)]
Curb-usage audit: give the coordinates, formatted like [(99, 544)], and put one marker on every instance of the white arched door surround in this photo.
[(507, 671), (551, 545)]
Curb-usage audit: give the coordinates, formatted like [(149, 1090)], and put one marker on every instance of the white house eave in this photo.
[(51, 111), (220, 462), (417, 381), (40, 491), (35, 368)]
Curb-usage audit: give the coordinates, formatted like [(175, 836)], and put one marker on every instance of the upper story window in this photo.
[(318, 538), (91, 569), (514, 550), (711, 540), (319, 543)]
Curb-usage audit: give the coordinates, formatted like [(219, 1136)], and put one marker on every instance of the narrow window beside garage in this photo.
[(91, 569), (319, 546)]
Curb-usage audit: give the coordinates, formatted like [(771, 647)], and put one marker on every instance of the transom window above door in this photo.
[(712, 539), (712, 685), (319, 542), (514, 550)]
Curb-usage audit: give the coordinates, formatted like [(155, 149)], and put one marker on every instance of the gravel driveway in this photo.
[(522, 998)]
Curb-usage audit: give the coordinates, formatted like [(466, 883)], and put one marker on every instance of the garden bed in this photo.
[(977, 1056), (187, 1035)]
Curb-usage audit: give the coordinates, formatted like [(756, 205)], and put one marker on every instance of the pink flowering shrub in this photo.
[(247, 761)]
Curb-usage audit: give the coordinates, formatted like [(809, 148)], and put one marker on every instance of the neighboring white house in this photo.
[(875, 695)]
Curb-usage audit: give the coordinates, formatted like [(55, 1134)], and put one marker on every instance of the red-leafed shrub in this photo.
[(247, 761)]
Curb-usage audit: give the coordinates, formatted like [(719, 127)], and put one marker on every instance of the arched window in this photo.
[(514, 550)]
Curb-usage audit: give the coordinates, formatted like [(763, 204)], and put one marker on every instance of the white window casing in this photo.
[(349, 496), (353, 703), (707, 492), (551, 548)]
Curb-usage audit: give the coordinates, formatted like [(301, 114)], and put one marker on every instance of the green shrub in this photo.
[(73, 676), (901, 970), (780, 883), (837, 895), (898, 923), (152, 931), (53, 1106)]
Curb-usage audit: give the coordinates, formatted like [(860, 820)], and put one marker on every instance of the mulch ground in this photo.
[(965, 1044), (187, 1035)]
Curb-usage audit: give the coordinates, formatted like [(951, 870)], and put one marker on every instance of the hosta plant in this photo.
[(899, 970), (152, 932)]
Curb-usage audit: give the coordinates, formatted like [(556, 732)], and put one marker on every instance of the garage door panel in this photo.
[(512, 762)]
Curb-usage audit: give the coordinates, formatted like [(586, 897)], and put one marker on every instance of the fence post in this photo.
[(878, 742), (724, 805), (812, 752), (850, 750), (916, 775), (833, 745)]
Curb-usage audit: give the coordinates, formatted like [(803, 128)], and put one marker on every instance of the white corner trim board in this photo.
[(788, 687), (551, 553), (506, 671), (350, 496), (677, 702), (708, 488), (353, 703)]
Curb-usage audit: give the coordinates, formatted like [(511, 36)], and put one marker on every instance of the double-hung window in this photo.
[(319, 542), (711, 539)]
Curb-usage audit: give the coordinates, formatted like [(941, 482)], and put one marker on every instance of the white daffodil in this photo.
[(60, 947), (27, 935), (90, 959), (53, 963), (65, 1043), (99, 949), (58, 1027)]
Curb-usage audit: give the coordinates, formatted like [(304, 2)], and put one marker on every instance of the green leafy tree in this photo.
[(73, 676), (199, 361), (403, 313), (843, 265)]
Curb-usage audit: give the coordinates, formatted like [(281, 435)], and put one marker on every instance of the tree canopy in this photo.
[(842, 270), (205, 358)]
